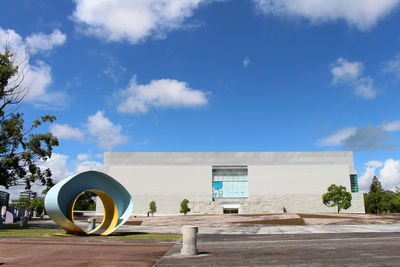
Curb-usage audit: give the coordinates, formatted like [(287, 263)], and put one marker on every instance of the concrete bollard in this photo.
[(189, 242), (91, 224)]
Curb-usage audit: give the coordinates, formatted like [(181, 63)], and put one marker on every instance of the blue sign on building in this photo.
[(230, 189)]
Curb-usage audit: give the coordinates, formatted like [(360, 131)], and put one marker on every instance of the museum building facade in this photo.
[(233, 182)]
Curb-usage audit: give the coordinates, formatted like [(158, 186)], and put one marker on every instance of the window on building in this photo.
[(229, 182), (354, 183)]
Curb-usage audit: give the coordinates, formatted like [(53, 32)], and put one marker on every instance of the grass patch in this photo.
[(16, 231), (25, 230), (24, 234), (290, 221)]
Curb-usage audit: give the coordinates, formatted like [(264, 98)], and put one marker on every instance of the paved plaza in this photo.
[(321, 244), (334, 249), (80, 252)]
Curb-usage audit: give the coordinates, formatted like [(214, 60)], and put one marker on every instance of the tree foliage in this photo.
[(152, 207), (21, 146), (337, 196), (21, 203), (184, 206), (378, 200), (374, 199), (85, 201), (37, 204)]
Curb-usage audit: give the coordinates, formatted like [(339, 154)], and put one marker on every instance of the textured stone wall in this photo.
[(293, 203)]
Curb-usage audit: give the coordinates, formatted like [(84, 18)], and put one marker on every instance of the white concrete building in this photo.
[(231, 182)]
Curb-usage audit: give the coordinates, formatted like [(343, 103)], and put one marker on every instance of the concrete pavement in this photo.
[(333, 249), (303, 229)]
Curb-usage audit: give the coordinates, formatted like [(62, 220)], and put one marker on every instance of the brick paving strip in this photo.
[(68, 252)]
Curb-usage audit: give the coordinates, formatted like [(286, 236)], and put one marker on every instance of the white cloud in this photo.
[(392, 126), (338, 137), (393, 65), (88, 166), (363, 138), (349, 73), (41, 42), (134, 20), (162, 93), (37, 78), (33, 79), (364, 181), (390, 174), (82, 157), (108, 134), (58, 164), (246, 61), (374, 163), (362, 14), (364, 87), (64, 131), (346, 71), (61, 167)]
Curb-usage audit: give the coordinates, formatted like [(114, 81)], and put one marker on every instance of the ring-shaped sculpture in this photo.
[(61, 198)]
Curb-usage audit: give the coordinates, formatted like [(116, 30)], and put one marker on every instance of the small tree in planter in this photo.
[(184, 206), (337, 196), (153, 207)]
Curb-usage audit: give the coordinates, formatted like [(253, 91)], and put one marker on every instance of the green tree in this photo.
[(21, 203), (37, 204), (184, 206), (337, 196), (85, 201), (153, 207), (395, 201), (374, 201), (21, 147)]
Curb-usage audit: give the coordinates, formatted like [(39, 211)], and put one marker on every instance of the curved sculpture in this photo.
[(117, 201)]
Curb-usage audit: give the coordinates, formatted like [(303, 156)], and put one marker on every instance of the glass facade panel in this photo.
[(230, 182), (354, 183)]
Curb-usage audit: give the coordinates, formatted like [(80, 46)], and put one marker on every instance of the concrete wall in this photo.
[(294, 180), (166, 185), (293, 203)]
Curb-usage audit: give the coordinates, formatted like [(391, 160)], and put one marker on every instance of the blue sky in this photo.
[(203, 75)]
